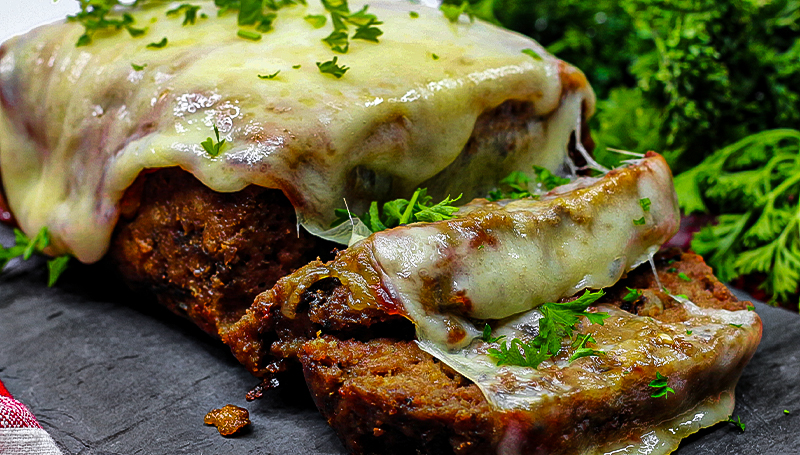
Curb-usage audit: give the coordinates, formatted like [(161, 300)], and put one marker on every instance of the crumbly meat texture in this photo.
[(382, 394), (206, 255)]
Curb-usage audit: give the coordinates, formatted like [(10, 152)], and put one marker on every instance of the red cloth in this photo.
[(20, 433)]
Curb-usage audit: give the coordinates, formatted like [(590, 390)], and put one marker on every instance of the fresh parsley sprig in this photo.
[(738, 422), (25, 247), (486, 336), (403, 211), (754, 187), (557, 323), (211, 147), (660, 383), (483, 9)]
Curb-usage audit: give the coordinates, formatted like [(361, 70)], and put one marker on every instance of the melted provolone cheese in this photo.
[(78, 124), (504, 259)]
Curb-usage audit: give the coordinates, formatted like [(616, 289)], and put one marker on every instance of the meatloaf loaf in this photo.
[(383, 395)]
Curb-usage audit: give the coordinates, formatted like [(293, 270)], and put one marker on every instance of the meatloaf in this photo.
[(382, 394)]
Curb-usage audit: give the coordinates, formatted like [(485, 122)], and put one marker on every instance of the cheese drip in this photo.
[(78, 124)]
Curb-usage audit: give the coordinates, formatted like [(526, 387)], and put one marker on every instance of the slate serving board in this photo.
[(110, 372)]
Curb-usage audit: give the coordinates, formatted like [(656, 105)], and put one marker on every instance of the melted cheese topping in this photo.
[(500, 261), (77, 125)]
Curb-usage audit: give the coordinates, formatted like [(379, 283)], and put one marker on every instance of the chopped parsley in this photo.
[(786, 411), (211, 147), (558, 322), (660, 383), (737, 423), (269, 76), (368, 33), (639, 222), (514, 186), (547, 179), (338, 41), (248, 34), (413, 14), (487, 335), (738, 326), (645, 203), (751, 308), (688, 332), (402, 211), (684, 277), (94, 16), (297, 67), (138, 67), (330, 67), (482, 247), (535, 55), (25, 247), (632, 295), (189, 13), (672, 270), (434, 56), (159, 45), (316, 20)]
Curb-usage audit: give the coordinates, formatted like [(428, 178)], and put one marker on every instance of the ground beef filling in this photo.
[(206, 255)]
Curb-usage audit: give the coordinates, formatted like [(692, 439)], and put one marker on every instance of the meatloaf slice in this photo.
[(204, 254), (383, 394)]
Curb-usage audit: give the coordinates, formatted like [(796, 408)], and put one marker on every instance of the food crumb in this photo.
[(229, 419)]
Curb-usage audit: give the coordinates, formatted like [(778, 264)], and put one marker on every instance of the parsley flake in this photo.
[(639, 222), (737, 423), (269, 76), (316, 20), (338, 41), (297, 67), (25, 247), (138, 67), (402, 211), (751, 308), (94, 16), (688, 332), (159, 45), (786, 411), (532, 53), (248, 34), (558, 322), (583, 351), (211, 147), (514, 186), (645, 203), (738, 326), (660, 383), (413, 14), (684, 276), (434, 56), (330, 67), (632, 295), (547, 179), (190, 13), (672, 270)]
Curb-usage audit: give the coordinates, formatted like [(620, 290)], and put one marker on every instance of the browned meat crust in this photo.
[(206, 255), (387, 396)]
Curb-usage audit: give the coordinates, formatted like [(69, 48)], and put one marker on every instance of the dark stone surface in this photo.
[(106, 371)]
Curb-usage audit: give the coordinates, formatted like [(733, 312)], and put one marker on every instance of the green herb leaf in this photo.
[(316, 20), (189, 13), (269, 76), (247, 34), (645, 203), (297, 67), (558, 322), (688, 332), (434, 56), (338, 41), (751, 308), (211, 147), (413, 14), (514, 186), (138, 67), (660, 383), (453, 12), (737, 423), (639, 222), (55, 268), (582, 351), (738, 326), (632, 295), (159, 45), (368, 33), (331, 67), (25, 247), (487, 335), (535, 55), (402, 211), (684, 277), (786, 411), (547, 179)]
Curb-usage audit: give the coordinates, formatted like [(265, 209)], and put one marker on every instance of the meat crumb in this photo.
[(229, 419)]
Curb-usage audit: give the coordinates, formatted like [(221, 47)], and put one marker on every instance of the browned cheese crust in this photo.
[(382, 394), (204, 254)]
